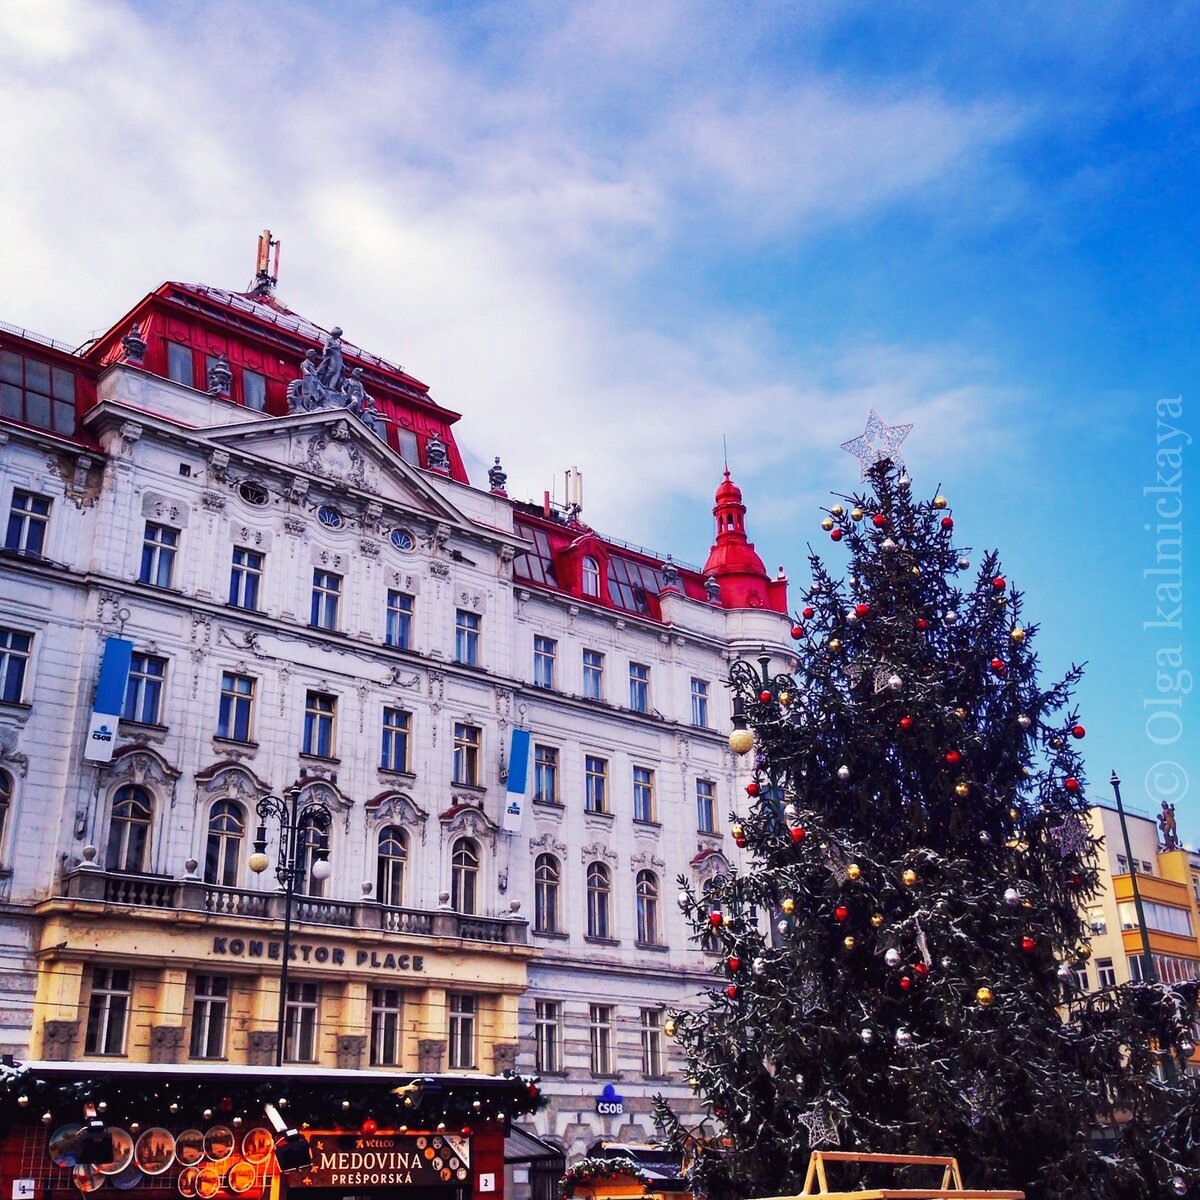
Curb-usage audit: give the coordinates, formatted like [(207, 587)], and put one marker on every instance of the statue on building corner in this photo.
[(712, 590), (134, 347), (670, 575), (220, 377), (1168, 826), (497, 478), (436, 458)]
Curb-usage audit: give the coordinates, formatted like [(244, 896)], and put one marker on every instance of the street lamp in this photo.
[(295, 820), (1149, 974)]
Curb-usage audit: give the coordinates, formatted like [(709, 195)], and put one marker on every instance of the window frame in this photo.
[(21, 395), (639, 688), (395, 731), (115, 1000), (645, 810), (468, 626), (24, 518), (117, 855), (599, 901), (547, 1036), (545, 775), (14, 663), (325, 609), (177, 354), (301, 1022), (653, 1059), (547, 893), (144, 689), (595, 784), (706, 806), (600, 1039), (462, 1011), (387, 1026), (245, 578), (160, 547), (398, 619), (700, 698), (648, 893), (226, 833), (320, 725), (391, 865), (545, 660), (210, 1013), (233, 704), (593, 675), (465, 861), (467, 754)]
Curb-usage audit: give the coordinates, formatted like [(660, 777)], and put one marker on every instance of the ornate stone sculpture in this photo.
[(497, 478), (670, 575), (712, 589), (323, 383), (1170, 831), (436, 458), (220, 377), (134, 346)]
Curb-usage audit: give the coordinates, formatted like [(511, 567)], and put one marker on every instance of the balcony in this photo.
[(121, 890)]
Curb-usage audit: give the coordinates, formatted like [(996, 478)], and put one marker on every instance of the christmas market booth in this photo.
[(257, 1133), (626, 1171)]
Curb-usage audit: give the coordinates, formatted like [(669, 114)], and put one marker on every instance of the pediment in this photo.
[(332, 447)]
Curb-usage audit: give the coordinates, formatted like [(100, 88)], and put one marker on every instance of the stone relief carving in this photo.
[(595, 851), (397, 678), (213, 501), (646, 859), (547, 842), (218, 466), (331, 454), (9, 738)]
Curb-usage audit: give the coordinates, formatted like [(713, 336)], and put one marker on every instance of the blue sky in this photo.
[(611, 234)]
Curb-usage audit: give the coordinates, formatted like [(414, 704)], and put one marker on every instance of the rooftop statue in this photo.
[(323, 383)]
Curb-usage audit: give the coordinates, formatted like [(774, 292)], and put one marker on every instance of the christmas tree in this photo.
[(897, 968)]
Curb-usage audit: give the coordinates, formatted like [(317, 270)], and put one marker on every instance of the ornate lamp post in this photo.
[(295, 820), (1149, 973)]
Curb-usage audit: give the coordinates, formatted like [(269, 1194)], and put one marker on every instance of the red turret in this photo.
[(733, 562)]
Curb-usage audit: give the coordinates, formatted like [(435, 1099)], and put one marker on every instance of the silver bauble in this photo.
[(892, 958), (1179, 1185), (1012, 897), (950, 617), (985, 838), (964, 563), (1024, 721), (903, 1037), (843, 772), (867, 1035), (895, 682)]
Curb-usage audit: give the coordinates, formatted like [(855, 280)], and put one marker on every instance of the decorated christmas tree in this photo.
[(898, 964)]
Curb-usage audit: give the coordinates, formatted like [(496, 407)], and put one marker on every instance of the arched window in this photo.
[(464, 875), (393, 857), (223, 854), (647, 908), (312, 844), (128, 831), (547, 875), (591, 576), (6, 791), (599, 893)]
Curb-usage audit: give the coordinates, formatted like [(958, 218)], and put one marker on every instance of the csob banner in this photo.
[(110, 700), (518, 772)]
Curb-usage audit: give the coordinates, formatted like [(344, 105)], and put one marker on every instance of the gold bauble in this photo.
[(849, 943), (856, 514), (961, 713), (740, 740), (1026, 903), (788, 905), (669, 1028), (738, 831), (915, 571), (827, 524), (1013, 814), (853, 871), (909, 877), (877, 920), (837, 510), (1083, 953), (962, 790), (785, 698), (835, 645), (1018, 634), (939, 502), (985, 996)]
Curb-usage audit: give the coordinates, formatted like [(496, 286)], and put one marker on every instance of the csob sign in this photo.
[(359, 1160), (608, 1103)]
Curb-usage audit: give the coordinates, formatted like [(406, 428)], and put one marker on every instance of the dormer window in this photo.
[(591, 576)]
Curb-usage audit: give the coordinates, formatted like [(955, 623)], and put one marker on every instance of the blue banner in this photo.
[(518, 778), (110, 699)]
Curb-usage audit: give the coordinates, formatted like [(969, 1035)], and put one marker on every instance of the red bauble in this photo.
[(1075, 881), (836, 535), (370, 1125), (920, 970), (879, 520), (731, 991), (534, 1090), (998, 666), (715, 918), (1071, 784), (797, 631), (947, 522), (466, 1131), (1078, 732), (906, 723), (798, 834), (808, 613), (861, 610), (764, 697), (905, 983), (952, 756), (1028, 945), (740, 843), (922, 624), (752, 788), (841, 912), (999, 583), (735, 963)]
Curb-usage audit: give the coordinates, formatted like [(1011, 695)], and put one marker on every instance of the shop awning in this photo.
[(521, 1146)]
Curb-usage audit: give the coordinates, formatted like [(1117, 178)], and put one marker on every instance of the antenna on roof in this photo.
[(725, 448), (266, 273)]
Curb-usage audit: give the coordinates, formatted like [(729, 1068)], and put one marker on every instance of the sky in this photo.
[(619, 236)]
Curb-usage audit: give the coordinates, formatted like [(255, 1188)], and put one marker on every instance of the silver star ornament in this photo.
[(876, 443)]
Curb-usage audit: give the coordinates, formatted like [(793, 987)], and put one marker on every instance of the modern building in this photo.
[(242, 557)]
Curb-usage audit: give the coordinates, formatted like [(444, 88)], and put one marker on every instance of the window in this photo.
[(312, 846), (403, 540), (329, 516), (599, 894), (391, 862), (1105, 974), (387, 1007), (706, 806), (700, 703), (6, 791), (300, 1023), (235, 716), (547, 875), (547, 1036), (593, 675), (1097, 921), (544, 651), (158, 555), (27, 521), (1082, 979), (398, 630), (595, 779), (254, 390), (462, 1031), (647, 908), (36, 393), (128, 831), (466, 754), (591, 576), (652, 1043), (1163, 917), (466, 638), (1196, 886), (319, 713), (222, 855), (143, 691), (14, 658), (643, 794), (639, 687), (393, 755), (545, 775), (464, 876), (108, 1011), (252, 493), (1122, 865), (245, 578), (210, 1007), (1147, 868), (600, 1041), (326, 595), (179, 364)]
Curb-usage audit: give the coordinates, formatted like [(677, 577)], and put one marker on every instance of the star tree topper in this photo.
[(876, 443)]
